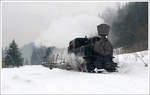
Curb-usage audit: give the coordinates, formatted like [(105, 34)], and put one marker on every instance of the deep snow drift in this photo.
[(132, 78)]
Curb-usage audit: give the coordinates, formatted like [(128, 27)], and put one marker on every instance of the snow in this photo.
[(132, 78)]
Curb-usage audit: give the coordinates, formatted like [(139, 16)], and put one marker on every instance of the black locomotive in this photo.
[(96, 51)]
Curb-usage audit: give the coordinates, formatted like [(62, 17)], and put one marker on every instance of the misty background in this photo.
[(36, 26), (38, 22)]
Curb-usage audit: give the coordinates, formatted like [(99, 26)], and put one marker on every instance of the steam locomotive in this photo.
[(97, 51)]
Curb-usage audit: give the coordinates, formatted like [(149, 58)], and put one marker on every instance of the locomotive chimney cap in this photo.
[(103, 29)]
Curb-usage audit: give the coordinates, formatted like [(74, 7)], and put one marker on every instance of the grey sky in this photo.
[(24, 22)]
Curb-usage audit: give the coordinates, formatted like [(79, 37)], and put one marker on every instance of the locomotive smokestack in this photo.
[(103, 30)]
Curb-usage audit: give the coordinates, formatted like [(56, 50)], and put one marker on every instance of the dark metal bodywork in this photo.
[(84, 47)]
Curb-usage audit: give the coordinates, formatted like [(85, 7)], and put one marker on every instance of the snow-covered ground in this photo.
[(132, 78)]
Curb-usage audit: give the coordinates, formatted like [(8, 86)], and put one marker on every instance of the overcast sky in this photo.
[(25, 22)]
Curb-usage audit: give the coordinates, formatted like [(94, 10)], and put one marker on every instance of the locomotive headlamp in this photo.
[(103, 29)]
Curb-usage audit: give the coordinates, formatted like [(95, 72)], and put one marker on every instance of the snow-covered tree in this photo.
[(37, 55), (13, 56)]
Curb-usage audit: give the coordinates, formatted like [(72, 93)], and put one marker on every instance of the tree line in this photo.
[(12, 56), (129, 26)]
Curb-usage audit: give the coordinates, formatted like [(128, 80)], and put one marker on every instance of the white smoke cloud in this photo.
[(64, 29)]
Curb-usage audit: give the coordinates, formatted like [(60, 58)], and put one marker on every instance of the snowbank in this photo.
[(132, 78), (133, 63)]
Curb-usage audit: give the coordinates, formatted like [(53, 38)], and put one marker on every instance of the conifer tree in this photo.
[(13, 56)]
